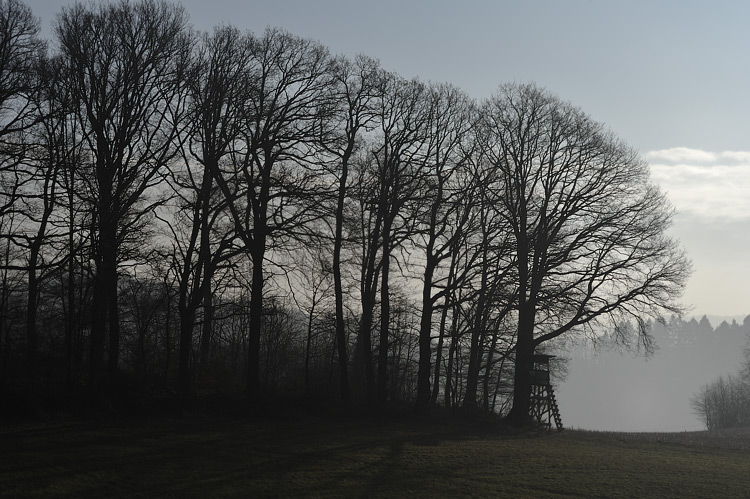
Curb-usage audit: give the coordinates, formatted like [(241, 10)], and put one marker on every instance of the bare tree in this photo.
[(41, 145), (491, 280), (442, 217), (311, 293), (271, 184), (47, 147), (588, 227), (143, 298), (724, 403), (126, 62), (218, 91), (368, 227), (11, 291), (69, 150), (357, 93), (389, 182)]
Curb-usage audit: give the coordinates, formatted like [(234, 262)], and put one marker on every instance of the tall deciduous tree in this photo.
[(397, 153), (49, 145), (588, 227), (357, 92), (450, 117), (218, 93), (491, 276), (271, 184), (126, 62)]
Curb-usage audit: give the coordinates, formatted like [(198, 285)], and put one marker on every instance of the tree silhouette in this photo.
[(270, 182), (125, 64), (588, 227)]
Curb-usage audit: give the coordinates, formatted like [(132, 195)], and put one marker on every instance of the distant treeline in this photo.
[(186, 212), (725, 401), (701, 334), (654, 393)]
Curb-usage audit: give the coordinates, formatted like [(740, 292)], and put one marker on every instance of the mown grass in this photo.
[(200, 456)]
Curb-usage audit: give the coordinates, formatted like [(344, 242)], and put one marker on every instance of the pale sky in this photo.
[(670, 78)]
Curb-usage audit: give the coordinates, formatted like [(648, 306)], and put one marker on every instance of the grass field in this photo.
[(209, 456)]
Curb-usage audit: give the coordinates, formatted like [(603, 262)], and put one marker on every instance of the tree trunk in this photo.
[(208, 318), (167, 335), (106, 272), (364, 342), (204, 287), (114, 326), (187, 309), (71, 316), (477, 335), (252, 389), (439, 356), (449, 388), (519, 414), (441, 337), (31, 311), (4, 314), (425, 337), (385, 318), (368, 290), (341, 339), (187, 321), (472, 376), (308, 344), (488, 370)]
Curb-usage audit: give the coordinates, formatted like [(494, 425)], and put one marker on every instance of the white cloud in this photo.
[(690, 156), (738, 156), (712, 186), (682, 155), (711, 191)]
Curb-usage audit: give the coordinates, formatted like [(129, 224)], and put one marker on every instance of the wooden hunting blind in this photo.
[(543, 407)]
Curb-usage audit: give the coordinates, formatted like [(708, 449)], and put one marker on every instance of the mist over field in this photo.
[(621, 390)]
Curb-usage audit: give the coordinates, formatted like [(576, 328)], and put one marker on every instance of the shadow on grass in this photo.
[(207, 455)]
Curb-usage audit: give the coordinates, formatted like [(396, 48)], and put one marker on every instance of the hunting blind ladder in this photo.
[(543, 408)]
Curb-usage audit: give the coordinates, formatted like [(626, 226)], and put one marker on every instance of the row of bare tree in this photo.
[(255, 199), (724, 403)]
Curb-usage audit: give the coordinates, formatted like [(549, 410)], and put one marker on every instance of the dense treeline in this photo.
[(230, 211)]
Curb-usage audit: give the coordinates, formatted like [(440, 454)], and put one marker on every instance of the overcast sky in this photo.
[(671, 78)]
